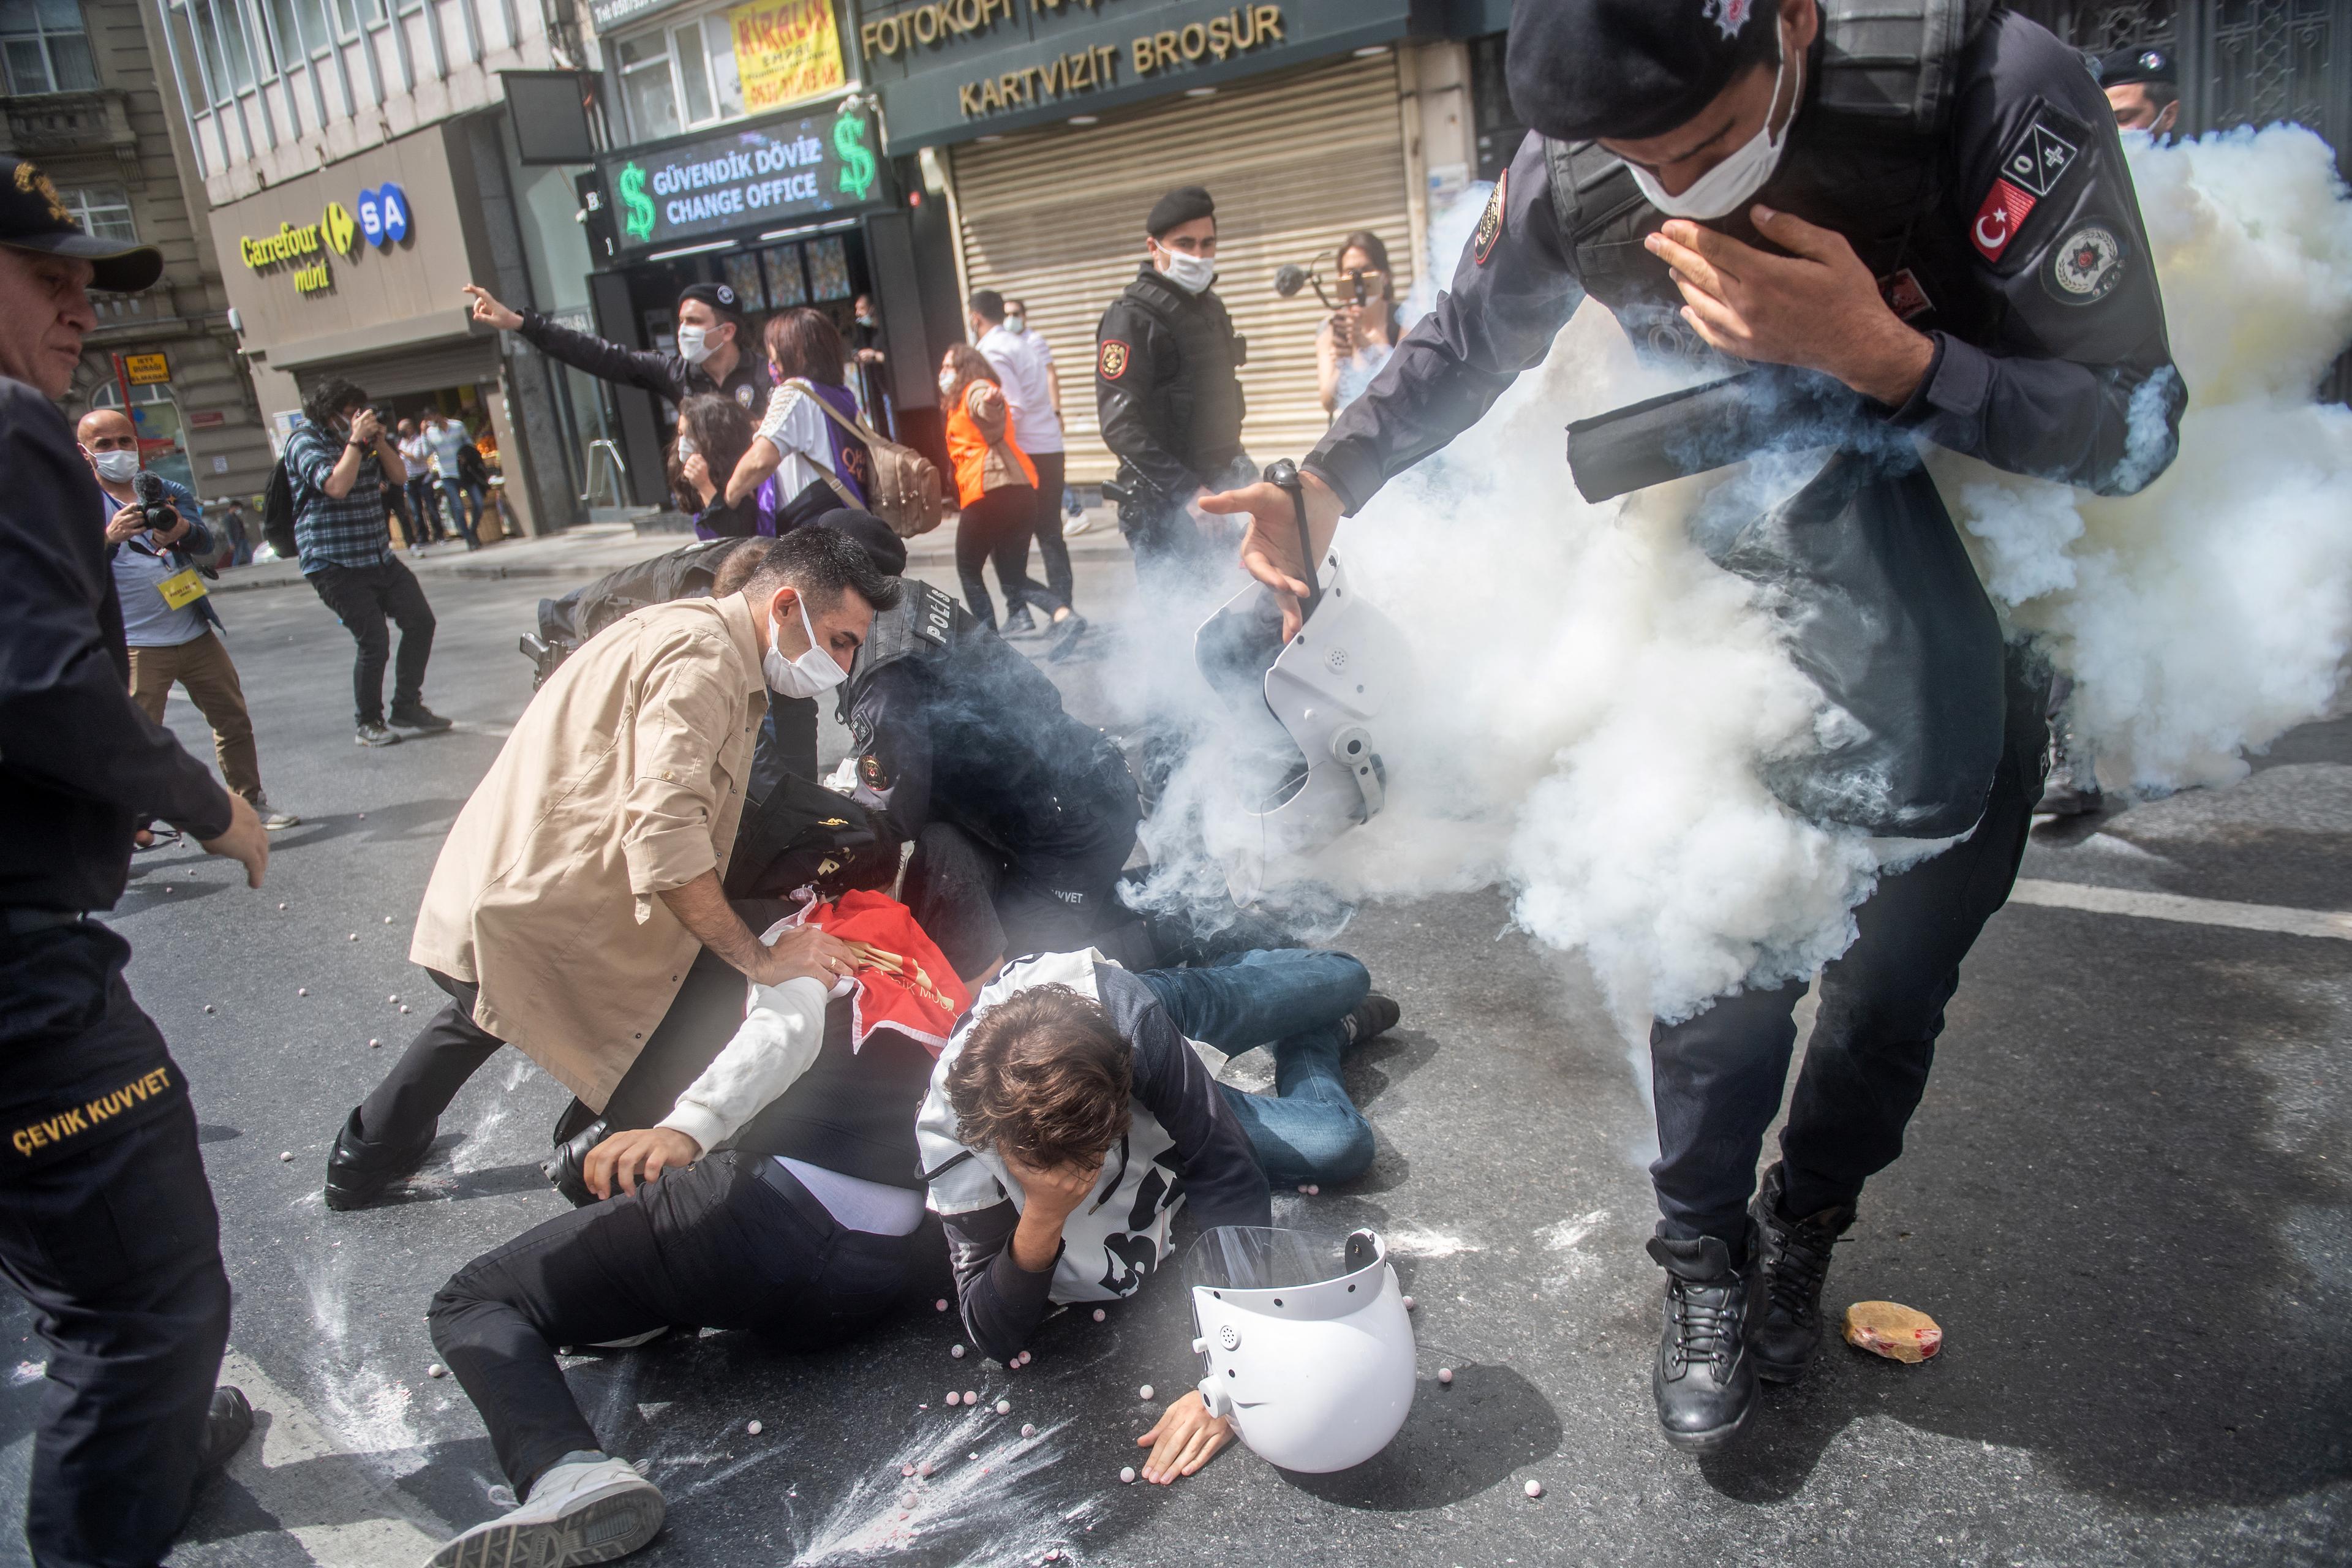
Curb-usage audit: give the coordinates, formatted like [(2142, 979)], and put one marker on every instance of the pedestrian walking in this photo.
[(423, 489), (450, 443), (996, 486), (1172, 406), (233, 529), (335, 462), (168, 618), (1024, 368), (107, 1224), (1932, 231)]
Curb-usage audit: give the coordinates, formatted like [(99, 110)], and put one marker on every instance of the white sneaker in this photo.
[(1076, 525), (589, 1511), (273, 819)]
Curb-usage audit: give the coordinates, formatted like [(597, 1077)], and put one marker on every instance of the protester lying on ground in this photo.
[(713, 434), (713, 352), (806, 440), (1069, 1116), (586, 871), (778, 1196)]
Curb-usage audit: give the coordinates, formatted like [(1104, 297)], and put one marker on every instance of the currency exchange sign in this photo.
[(747, 178)]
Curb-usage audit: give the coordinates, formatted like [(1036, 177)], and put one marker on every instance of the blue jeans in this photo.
[(456, 490), (1307, 1130)]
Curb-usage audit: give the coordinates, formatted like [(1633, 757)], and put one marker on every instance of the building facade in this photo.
[(86, 101), (365, 160)]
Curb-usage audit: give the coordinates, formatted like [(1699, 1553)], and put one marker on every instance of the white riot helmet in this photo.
[(1311, 764), (1308, 1349)]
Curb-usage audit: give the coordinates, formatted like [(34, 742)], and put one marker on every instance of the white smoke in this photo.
[(1597, 697)]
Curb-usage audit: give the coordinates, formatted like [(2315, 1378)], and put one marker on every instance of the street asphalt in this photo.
[(2125, 1199)]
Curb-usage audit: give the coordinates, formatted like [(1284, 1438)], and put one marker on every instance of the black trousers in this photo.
[(361, 597), (731, 1242), (116, 1246), (448, 1050), (1718, 1079), (996, 528), (1052, 468)]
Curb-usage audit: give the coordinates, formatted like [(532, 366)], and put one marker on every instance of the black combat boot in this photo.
[(358, 1171), (1704, 1380), (1788, 1260)]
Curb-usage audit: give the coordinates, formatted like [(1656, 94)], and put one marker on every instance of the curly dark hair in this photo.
[(331, 398), (1045, 1077)]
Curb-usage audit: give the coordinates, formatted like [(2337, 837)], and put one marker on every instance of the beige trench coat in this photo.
[(622, 779)]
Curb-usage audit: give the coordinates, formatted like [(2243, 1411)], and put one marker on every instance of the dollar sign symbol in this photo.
[(637, 209), (856, 163)]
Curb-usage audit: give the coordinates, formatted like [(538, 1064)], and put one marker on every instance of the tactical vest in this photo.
[(1197, 409), (924, 624), (1865, 157)]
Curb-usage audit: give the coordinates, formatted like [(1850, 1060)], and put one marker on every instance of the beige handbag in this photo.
[(906, 492)]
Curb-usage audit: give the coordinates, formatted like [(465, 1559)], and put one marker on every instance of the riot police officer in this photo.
[(714, 352), (1913, 216), (1165, 355), (2143, 87), (107, 1224)]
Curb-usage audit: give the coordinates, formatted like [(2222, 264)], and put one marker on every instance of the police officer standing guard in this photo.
[(107, 1225), (1170, 405), (1922, 206)]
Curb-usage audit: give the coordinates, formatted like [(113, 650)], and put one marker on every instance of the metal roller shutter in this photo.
[(1295, 161), (462, 363)]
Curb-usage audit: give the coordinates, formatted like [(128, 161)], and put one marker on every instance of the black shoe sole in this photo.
[(1705, 1442), (1779, 1373)]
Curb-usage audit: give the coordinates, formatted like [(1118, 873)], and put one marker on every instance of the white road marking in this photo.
[(327, 1498), (2177, 907)]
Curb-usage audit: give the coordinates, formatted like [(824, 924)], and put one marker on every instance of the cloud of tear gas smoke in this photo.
[(1596, 696)]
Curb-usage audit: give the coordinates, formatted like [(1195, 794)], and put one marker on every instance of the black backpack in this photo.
[(277, 513)]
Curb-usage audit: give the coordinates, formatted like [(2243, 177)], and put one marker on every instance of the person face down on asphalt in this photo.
[(1074, 1109), (562, 850)]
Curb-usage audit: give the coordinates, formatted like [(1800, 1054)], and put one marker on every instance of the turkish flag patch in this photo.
[(1998, 221), (1113, 364)]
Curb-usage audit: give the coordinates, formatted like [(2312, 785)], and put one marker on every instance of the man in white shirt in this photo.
[(423, 492), (1024, 363)]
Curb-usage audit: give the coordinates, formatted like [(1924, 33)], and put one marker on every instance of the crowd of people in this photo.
[(795, 1020)]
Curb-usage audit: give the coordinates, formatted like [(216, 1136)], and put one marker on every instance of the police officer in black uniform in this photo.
[(107, 1225), (1021, 817), (714, 352), (1165, 355), (2143, 89), (1950, 245)]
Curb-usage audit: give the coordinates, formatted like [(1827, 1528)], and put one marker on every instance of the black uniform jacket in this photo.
[(1169, 404), (667, 375), (79, 764), (2027, 264)]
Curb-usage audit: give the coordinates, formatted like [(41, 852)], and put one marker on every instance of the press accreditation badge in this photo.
[(182, 589)]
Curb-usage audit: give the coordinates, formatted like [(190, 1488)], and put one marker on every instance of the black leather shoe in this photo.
[(1788, 1260), (358, 1171), (227, 1424), (1373, 1016), (563, 1168), (1703, 1380)]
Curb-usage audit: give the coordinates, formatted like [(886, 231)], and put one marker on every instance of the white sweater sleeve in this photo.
[(777, 1042)]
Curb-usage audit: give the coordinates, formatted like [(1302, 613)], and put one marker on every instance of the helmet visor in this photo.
[(1261, 1258)]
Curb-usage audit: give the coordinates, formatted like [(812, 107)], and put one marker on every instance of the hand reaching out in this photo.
[(488, 311)]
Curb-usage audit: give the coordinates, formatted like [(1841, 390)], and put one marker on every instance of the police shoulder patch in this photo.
[(2048, 146), (1490, 222), (743, 394), (2087, 265), (1111, 364)]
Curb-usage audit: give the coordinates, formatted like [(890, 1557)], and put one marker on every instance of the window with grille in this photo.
[(45, 48)]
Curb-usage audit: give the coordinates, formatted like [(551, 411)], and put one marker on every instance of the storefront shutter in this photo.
[(463, 362), (1295, 161)]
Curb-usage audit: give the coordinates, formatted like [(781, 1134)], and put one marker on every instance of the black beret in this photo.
[(1181, 204), (884, 548), (1629, 69), (2125, 67), (718, 296)]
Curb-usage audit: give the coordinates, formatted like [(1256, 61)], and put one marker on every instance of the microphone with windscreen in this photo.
[(1289, 279)]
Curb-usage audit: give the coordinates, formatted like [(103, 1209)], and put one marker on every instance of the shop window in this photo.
[(742, 271), (828, 268), (679, 77), (103, 210), (45, 48), (785, 285)]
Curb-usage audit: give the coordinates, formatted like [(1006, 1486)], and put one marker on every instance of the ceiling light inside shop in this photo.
[(690, 250), (1200, 92), (1369, 50), (1085, 120)]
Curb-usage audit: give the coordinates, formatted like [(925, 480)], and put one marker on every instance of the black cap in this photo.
[(2125, 67), (33, 219), (1629, 69), (885, 548), (718, 296), (1179, 205)]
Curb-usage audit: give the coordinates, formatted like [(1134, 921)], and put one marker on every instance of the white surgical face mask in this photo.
[(686, 448), (1015, 325), (947, 383), (1189, 273), (694, 345), (1725, 188), (116, 468), (812, 673)]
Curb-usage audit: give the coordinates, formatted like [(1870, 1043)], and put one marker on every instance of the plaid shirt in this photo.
[(330, 532)]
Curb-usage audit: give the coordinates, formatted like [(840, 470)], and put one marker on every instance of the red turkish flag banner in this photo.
[(903, 980), (1998, 221)]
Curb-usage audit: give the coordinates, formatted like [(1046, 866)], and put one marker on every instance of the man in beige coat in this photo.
[(584, 873)]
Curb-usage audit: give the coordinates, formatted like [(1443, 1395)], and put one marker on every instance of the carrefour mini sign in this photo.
[(772, 174), (305, 248)]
